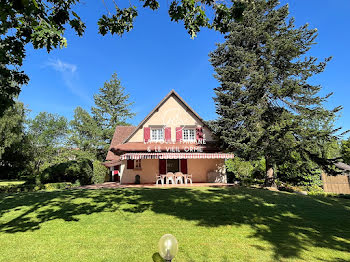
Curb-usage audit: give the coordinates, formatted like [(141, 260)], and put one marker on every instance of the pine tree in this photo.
[(112, 107), (264, 95)]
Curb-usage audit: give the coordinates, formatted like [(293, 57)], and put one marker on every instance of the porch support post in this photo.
[(121, 171)]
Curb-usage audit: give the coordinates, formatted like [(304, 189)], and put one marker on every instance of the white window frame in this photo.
[(189, 134), (137, 164), (159, 134)]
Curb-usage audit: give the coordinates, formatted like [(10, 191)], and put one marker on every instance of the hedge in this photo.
[(32, 188), (74, 171), (100, 172)]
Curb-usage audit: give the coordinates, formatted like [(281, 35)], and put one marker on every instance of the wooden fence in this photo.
[(339, 184)]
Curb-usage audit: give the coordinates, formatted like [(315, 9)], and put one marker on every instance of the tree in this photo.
[(11, 126), (15, 150), (345, 151), (47, 132), (43, 23), (112, 108), (85, 133), (264, 95), (93, 133)]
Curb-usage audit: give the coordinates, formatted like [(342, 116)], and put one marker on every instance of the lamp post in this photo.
[(168, 247)]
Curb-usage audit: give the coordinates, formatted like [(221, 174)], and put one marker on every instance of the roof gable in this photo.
[(174, 102)]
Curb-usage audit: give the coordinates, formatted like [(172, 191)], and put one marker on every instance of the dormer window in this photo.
[(157, 134), (189, 134)]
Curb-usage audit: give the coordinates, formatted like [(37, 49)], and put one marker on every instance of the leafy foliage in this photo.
[(240, 168), (345, 151), (57, 186), (11, 126), (245, 171), (15, 148), (47, 134), (298, 171), (100, 172), (85, 131), (71, 171), (40, 22), (264, 97), (43, 23)]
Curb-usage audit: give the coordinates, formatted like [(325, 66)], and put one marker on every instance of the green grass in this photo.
[(11, 182), (211, 224)]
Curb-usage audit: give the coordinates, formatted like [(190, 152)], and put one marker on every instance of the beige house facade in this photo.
[(171, 138)]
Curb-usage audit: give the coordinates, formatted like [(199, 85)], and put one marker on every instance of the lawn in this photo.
[(211, 224), (11, 182)]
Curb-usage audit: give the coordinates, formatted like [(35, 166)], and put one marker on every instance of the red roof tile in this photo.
[(120, 134)]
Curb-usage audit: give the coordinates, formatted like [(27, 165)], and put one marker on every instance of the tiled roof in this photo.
[(112, 163), (120, 134)]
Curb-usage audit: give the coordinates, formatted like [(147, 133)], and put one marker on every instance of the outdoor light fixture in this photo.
[(168, 247)]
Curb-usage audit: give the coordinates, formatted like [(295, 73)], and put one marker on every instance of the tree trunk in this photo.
[(270, 175)]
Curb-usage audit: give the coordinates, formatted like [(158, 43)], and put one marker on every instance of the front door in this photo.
[(172, 165)]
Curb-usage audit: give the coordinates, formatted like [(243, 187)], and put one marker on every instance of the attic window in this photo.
[(188, 134), (157, 134)]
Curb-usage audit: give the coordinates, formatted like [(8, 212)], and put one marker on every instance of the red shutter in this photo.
[(199, 134), (178, 134), (168, 134), (146, 134), (162, 166), (183, 165), (130, 164)]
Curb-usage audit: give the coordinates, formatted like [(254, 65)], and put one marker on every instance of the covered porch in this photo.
[(146, 168)]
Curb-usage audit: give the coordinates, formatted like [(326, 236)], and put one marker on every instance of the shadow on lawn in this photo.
[(290, 223)]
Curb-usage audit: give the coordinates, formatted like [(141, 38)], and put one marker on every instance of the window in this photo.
[(172, 165), (189, 135), (137, 164), (157, 134)]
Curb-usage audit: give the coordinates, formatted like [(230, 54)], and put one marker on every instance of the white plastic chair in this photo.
[(188, 178), (159, 178), (179, 178), (170, 177)]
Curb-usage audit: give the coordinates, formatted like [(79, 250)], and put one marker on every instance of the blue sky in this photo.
[(158, 55)]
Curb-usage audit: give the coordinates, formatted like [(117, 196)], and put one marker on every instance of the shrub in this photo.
[(100, 172), (32, 187), (240, 168), (57, 186), (325, 194), (248, 172), (18, 188), (71, 171)]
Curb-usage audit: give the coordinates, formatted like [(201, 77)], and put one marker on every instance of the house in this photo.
[(171, 138)]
